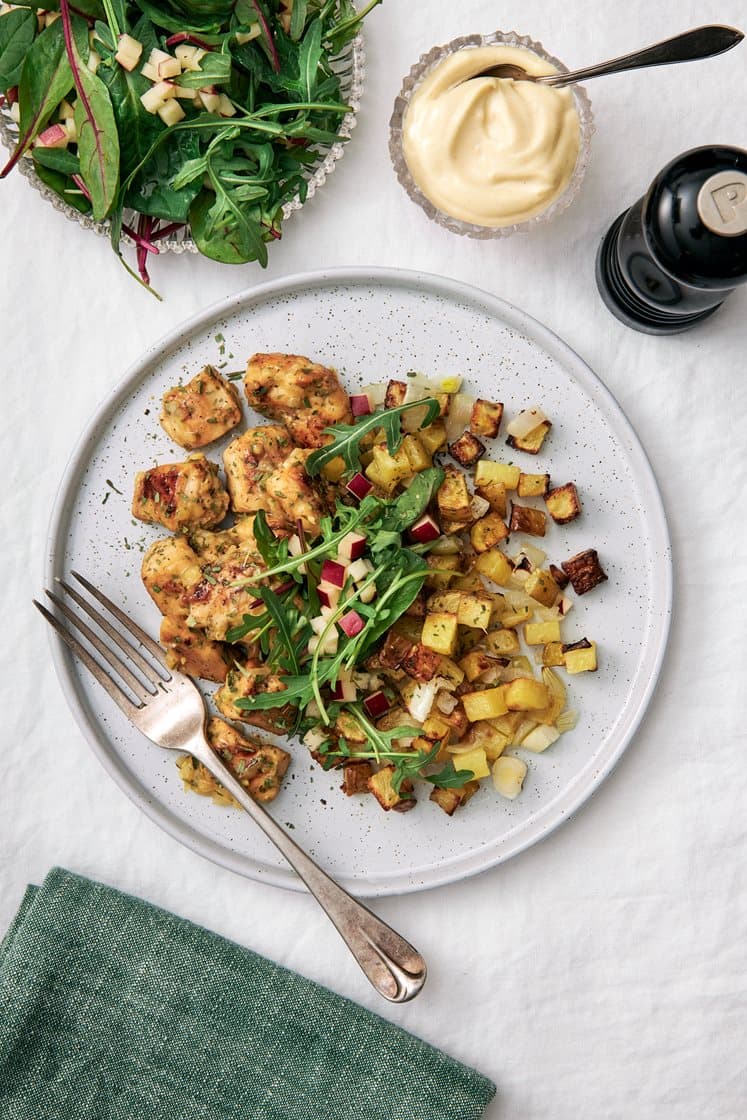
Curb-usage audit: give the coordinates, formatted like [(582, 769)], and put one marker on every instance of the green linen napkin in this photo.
[(111, 1009)]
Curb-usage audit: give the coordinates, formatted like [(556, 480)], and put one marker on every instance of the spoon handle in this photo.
[(701, 42)]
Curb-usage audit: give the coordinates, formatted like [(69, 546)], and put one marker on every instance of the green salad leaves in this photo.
[(222, 172)]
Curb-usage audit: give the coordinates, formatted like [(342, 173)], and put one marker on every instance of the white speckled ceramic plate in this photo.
[(372, 325)]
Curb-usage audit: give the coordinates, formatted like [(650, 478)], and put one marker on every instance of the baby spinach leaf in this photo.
[(413, 502), (57, 159), (153, 190), (63, 186), (17, 33)]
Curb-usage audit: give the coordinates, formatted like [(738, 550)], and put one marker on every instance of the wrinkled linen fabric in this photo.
[(114, 1009)]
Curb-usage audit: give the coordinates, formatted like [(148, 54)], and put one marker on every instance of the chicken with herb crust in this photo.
[(304, 396), (264, 471), (201, 411), (181, 495)]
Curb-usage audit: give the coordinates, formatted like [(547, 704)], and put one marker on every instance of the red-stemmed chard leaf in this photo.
[(45, 80), (98, 139)]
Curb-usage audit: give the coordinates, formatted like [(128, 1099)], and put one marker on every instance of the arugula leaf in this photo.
[(272, 549), (346, 438), (17, 33), (286, 623), (413, 502), (215, 70), (298, 19), (449, 778)]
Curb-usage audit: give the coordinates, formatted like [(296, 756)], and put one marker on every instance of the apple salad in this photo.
[(380, 591)]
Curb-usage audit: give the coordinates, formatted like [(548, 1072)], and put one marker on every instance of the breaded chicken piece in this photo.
[(249, 681), (259, 767), (201, 596), (264, 471), (201, 411), (189, 651), (181, 495), (232, 546), (301, 394)]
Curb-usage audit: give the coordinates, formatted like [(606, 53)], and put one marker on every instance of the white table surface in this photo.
[(603, 973)]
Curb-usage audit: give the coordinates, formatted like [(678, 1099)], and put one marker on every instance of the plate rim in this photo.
[(516, 319)]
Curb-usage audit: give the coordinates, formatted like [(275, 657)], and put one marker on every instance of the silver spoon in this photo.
[(701, 42)]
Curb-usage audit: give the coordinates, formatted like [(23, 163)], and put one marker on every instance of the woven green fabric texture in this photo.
[(111, 1009)]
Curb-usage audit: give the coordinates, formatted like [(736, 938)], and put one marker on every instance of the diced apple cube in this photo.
[(171, 112), (129, 51)]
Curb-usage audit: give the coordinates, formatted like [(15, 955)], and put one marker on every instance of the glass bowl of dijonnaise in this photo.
[(486, 156)]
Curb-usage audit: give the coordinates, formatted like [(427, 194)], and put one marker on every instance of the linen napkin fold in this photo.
[(112, 1009)]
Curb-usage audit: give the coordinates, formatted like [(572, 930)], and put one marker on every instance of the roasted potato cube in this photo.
[(487, 532), (517, 617), (525, 694), (389, 469), (485, 419), (475, 611), (532, 441), (584, 571), (396, 647), (552, 655), (559, 576), (440, 632), (435, 729), (502, 643), (495, 565), (418, 458), (541, 586), (445, 601), (190, 652), (475, 760), (258, 767), (443, 569), (355, 777), (484, 734), (453, 498), (524, 519), (563, 503), (467, 449), (433, 438), (540, 633), (181, 495), (533, 485), (421, 663), (476, 663), (580, 657), (486, 704), (450, 671), (494, 494), (396, 392), (201, 411), (450, 799), (380, 785), (487, 472), (334, 469), (348, 728)]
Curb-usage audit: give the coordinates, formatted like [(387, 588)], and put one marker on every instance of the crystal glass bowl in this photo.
[(422, 67), (350, 66)]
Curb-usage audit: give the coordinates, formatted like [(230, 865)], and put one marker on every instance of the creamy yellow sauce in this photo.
[(490, 151)]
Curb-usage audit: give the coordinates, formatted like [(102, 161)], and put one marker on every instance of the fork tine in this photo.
[(134, 629), (136, 687), (145, 667), (110, 686)]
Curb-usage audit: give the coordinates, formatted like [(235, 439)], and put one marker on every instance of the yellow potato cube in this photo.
[(395, 467), (552, 654), (516, 618), (488, 531), (525, 695), (334, 469), (495, 566), (416, 453), (453, 498), (494, 494), (469, 582), (433, 438), (541, 586), (450, 671), (445, 601), (436, 728), (487, 704), (487, 472), (476, 663), (533, 485), (475, 611), (443, 568), (440, 632), (474, 760), (502, 642), (540, 633), (581, 660)]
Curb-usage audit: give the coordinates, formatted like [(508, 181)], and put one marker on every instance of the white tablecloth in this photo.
[(603, 973)]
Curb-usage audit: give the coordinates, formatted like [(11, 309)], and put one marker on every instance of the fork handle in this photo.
[(701, 42), (396, 969)]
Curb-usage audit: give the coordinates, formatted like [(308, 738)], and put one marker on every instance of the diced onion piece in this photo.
[(450, 384), (314, 738), (566, 721), (421, 700), (555, 686), (535, 555), (458, 418), (446, 546), (478, 506), (375, 393), (508, 775), (171, 112), (525, 422), (446, 702), (540, 738)]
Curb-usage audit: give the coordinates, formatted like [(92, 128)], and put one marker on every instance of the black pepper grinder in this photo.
[(671, 260)]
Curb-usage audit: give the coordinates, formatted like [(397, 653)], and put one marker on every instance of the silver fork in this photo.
[(169, 710)]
